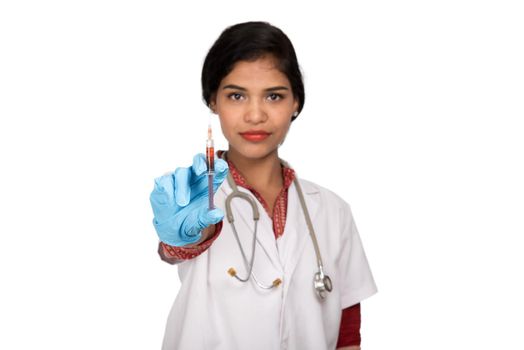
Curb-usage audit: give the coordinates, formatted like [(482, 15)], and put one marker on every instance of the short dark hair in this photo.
[(250, 41)]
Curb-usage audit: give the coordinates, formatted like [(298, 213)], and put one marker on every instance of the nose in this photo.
[(255, 113)]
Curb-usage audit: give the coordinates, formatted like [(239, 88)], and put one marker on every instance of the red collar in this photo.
[(288, 174)]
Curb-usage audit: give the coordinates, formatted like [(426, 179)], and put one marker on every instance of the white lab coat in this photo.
[(215, 311)]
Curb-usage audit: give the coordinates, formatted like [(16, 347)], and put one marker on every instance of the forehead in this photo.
[(261, 73)]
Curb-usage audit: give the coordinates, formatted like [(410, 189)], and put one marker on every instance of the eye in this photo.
[(274, 97), (235, 96)]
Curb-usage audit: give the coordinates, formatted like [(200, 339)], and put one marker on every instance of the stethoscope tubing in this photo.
[(321, 282)]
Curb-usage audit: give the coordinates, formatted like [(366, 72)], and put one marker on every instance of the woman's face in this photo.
[(255, 104)]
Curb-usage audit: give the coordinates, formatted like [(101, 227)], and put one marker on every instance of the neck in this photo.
[(259, 173)]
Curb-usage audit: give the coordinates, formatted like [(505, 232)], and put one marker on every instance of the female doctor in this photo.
[(285, 269)]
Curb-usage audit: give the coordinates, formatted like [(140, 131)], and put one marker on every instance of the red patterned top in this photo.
[(280, 207), (349, 333)]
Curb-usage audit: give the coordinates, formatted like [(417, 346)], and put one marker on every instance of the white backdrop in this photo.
[(413, 114)]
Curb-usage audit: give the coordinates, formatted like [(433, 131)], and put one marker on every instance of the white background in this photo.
[(413, 114)]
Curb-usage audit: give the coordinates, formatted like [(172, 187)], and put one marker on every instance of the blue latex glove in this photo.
[(180, 202)]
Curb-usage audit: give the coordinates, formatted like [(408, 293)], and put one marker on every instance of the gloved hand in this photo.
[(180, 202)]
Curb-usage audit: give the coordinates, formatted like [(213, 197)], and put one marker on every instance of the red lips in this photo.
[(255, 135)]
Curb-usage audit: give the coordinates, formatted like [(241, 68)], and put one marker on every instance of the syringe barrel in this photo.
[(210, 156), (211, 205)]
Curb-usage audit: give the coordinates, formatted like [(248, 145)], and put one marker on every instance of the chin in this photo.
[(255, 151)]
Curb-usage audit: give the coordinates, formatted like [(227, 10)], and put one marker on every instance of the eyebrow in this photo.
[(236, 87)]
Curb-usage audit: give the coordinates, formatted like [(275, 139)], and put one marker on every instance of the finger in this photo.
[(182, 186), (164, 188), (199, 164), (190, 228), (199, 180), (161, 198)]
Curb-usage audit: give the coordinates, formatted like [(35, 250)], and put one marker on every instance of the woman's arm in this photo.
[(174, 255), (353, 347), (349, 331)]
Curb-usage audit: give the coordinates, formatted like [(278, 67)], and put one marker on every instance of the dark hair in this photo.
[(248, 42)]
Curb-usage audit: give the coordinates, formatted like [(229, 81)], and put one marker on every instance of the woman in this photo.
[(251, 80)]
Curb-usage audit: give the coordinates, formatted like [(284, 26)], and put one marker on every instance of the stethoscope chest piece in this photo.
[(322, 284)]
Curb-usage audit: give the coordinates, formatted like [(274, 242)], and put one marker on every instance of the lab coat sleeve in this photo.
[(357, 281)]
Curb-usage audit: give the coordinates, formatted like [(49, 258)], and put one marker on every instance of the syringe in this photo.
[(210, 160)]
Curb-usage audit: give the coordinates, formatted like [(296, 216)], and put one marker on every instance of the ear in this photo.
[(295, 105), (213, 104)]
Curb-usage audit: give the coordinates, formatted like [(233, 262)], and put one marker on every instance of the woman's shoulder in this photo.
[(310, 187)]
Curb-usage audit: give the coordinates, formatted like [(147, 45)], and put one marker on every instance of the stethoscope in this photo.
[(321, 282)]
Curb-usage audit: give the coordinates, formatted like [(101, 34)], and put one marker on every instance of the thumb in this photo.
[(221, 171), (210, 217)]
